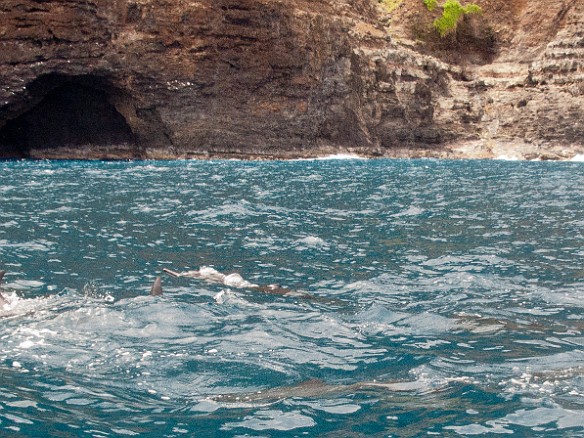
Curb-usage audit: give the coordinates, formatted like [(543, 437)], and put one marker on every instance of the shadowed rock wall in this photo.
[(246, 78)]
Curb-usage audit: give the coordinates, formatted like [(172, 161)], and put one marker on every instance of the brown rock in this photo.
[(282, 79)]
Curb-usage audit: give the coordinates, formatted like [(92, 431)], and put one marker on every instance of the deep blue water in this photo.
[(441, 298)]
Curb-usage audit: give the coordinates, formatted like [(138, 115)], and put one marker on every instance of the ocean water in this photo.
[(430, 298)]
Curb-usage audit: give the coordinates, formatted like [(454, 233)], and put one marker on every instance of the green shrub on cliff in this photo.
[(431, 4), (390, 5), (452, 12)]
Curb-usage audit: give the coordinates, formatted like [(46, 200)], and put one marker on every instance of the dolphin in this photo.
[(317, 388), (156, 289), (213, 276), (235, 280), (2, 299)]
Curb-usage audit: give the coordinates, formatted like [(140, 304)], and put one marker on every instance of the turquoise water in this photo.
[(436, 298)]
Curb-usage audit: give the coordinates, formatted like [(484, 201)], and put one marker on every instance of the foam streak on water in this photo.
[(434, 298)]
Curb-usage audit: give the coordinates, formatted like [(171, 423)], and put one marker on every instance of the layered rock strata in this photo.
[(527, 100), (120, 79)]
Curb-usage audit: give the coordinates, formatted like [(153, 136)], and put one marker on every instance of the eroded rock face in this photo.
[(267, 79), (527, 101), (228, 77)]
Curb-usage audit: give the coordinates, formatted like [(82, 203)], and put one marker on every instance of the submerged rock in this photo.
[(121, 79)]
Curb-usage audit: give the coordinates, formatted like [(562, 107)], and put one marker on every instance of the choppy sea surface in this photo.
[(431, 298)]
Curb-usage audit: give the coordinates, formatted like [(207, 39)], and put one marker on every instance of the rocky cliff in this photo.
[(281, 79)]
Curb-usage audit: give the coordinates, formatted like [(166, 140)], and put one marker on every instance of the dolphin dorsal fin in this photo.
[(2, 299), (156, 287)]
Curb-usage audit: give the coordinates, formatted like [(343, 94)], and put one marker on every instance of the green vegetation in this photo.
[(452, 11), (431, 4), (390, 5)]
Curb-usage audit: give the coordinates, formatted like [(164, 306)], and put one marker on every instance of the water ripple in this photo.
[(432, 298)]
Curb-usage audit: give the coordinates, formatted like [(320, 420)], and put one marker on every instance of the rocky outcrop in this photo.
[(276, 79), (527, 100), (247, 78), (549, 111)]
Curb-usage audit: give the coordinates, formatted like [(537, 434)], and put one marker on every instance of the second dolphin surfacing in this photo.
[(235, 280)]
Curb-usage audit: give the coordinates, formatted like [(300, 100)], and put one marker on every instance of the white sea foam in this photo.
[(334, 157), (211, 274), (38, 245), (507, 158), (25, 284), (232, 280), (237, 281), (552, 418), (220, 297), (273, 420), (410, 211), (342, 157), (6, 188), (337, 407), (311, 241)]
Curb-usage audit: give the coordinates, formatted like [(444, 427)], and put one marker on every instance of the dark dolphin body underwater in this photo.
[(282, 299)]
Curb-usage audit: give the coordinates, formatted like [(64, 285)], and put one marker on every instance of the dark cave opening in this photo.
[(66, 112)]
